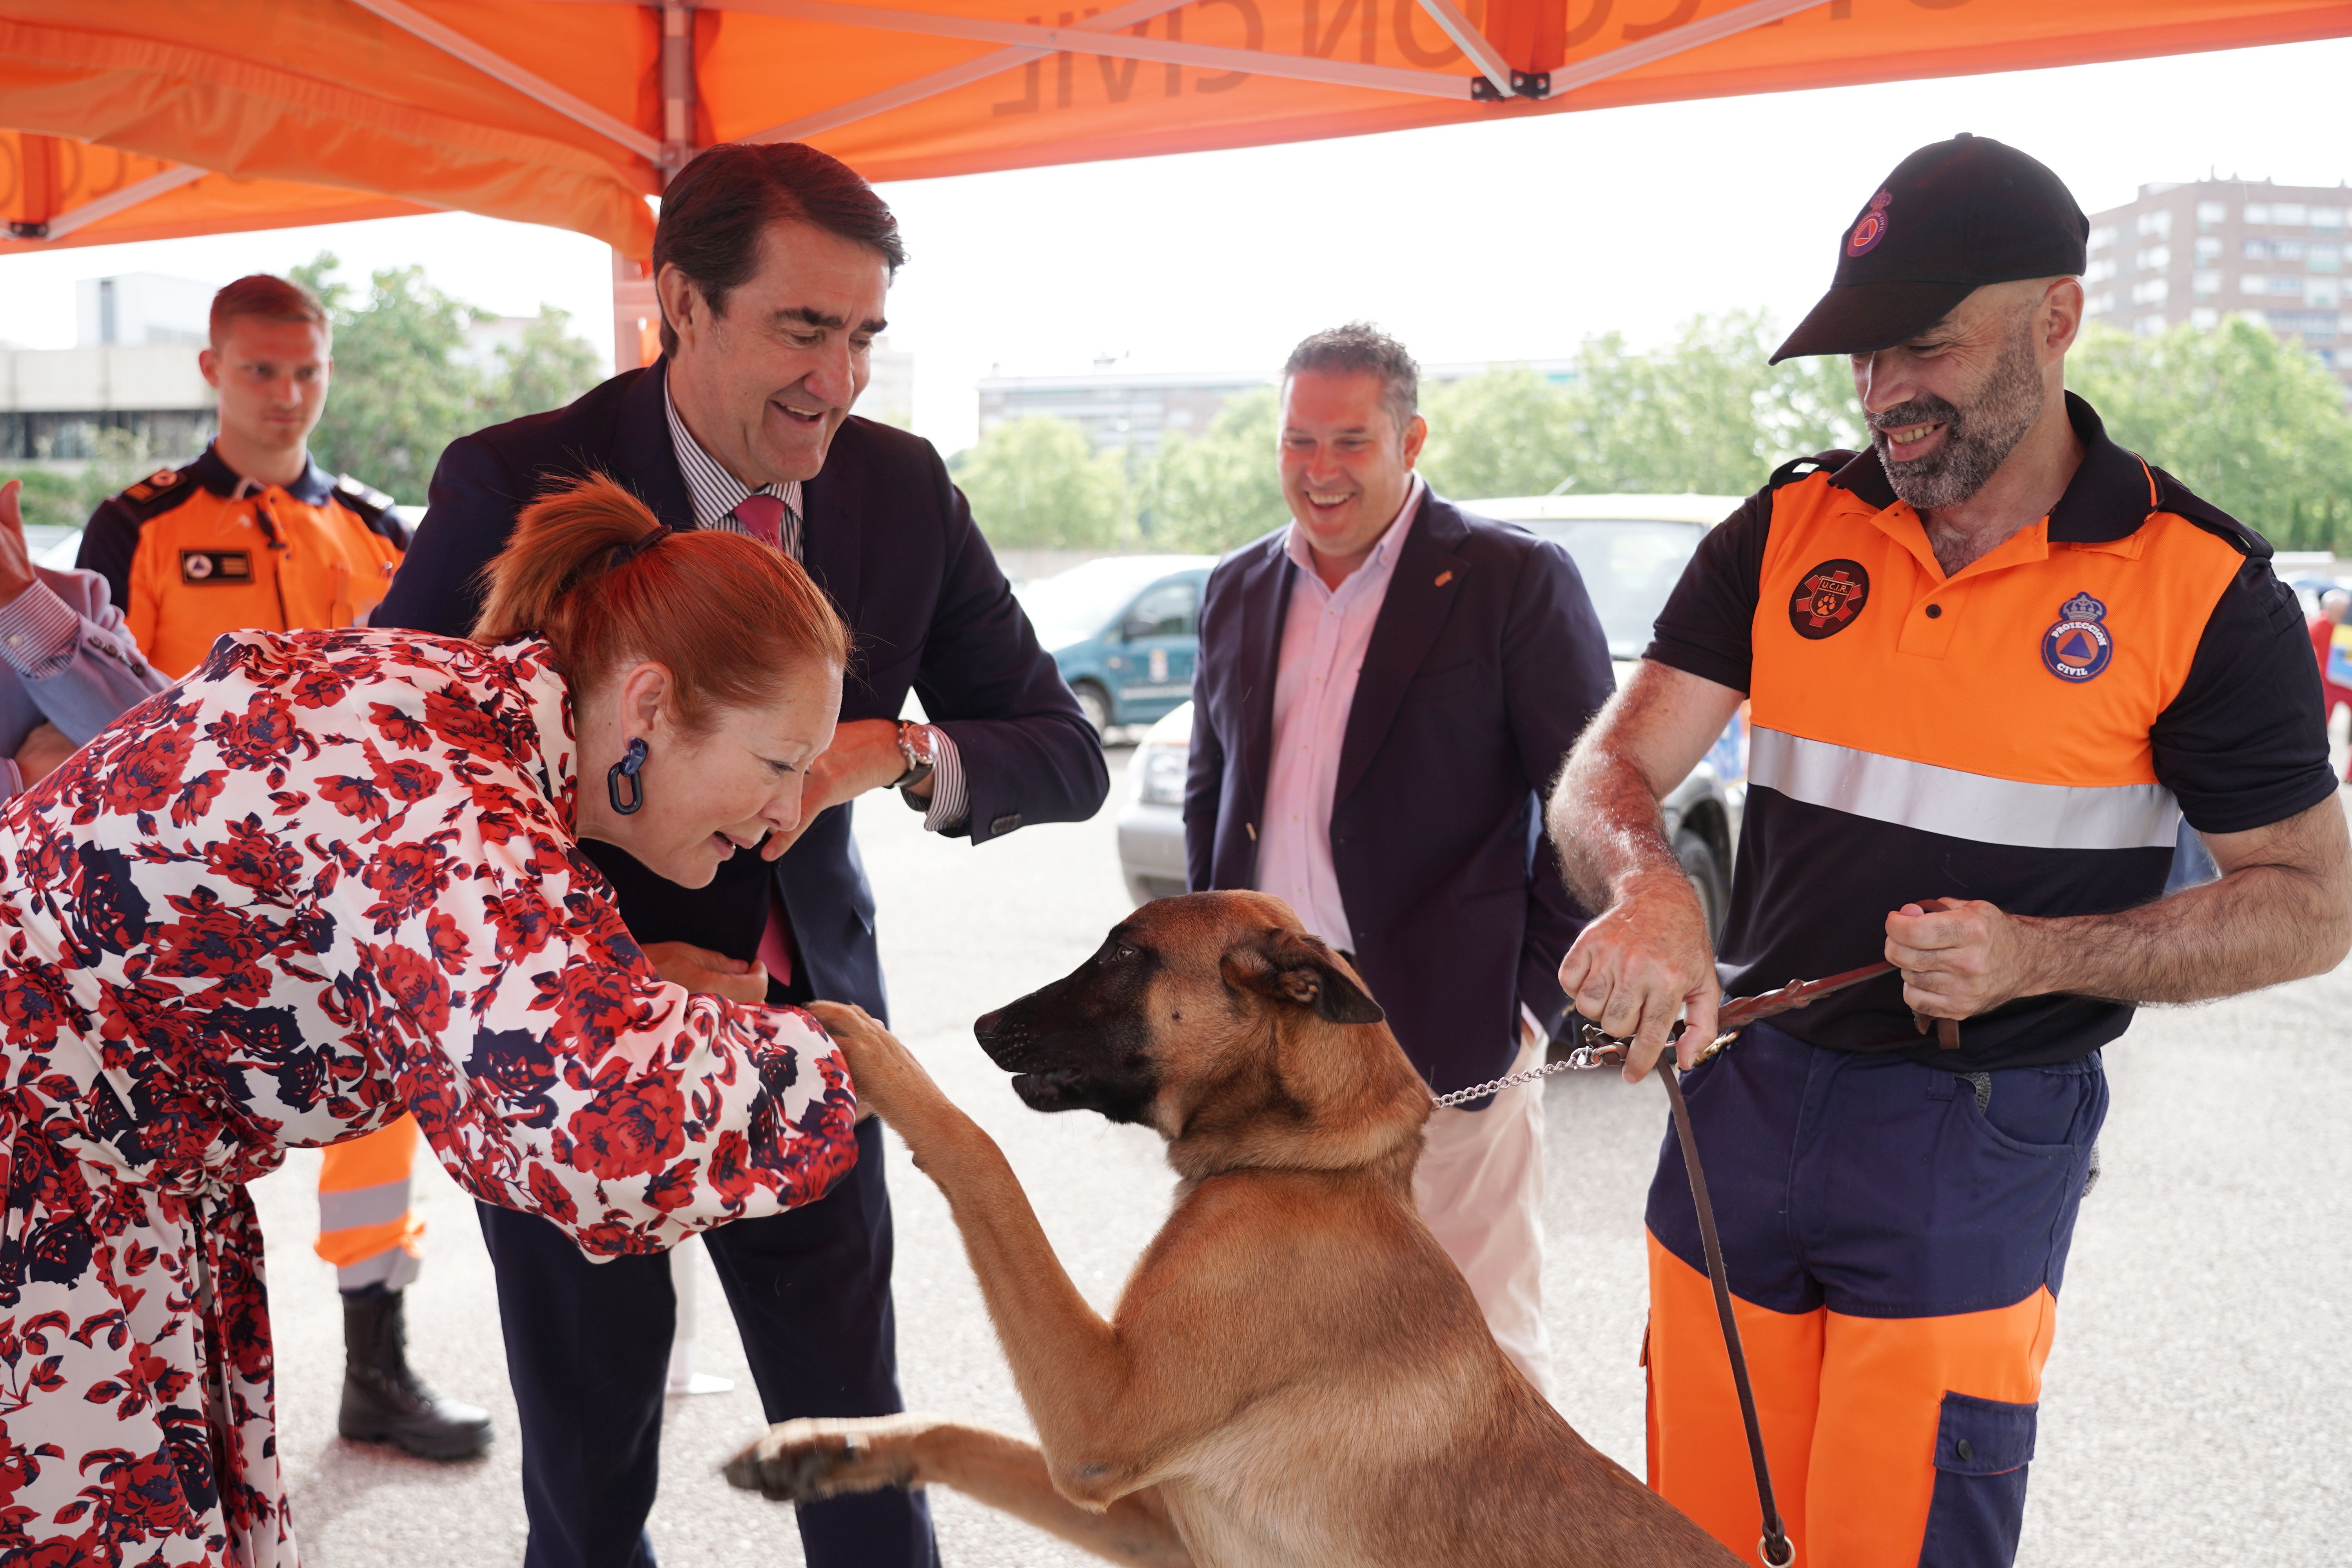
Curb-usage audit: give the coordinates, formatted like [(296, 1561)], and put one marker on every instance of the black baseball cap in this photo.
[(1952, 217)]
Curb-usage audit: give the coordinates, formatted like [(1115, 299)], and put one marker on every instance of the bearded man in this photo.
[(1991, 663)]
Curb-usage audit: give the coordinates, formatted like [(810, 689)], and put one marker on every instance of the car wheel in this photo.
[(1705, 871), (1095, 703)]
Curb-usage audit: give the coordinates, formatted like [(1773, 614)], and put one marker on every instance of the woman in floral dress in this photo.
[(333, 876)]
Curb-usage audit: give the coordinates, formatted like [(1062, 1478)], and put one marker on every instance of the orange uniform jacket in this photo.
[(2029, 730), (199, 550)]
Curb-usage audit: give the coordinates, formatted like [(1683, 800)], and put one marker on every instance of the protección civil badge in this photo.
[(2079, 646)]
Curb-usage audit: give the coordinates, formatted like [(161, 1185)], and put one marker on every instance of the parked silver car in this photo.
[(1631, 551)]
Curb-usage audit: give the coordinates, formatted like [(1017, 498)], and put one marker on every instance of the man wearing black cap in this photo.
[(1993, 662)]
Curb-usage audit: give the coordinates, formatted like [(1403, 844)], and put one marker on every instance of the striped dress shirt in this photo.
[(715, 494)]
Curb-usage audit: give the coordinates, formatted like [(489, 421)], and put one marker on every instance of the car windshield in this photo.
[(1629, 568), (1080, 602)]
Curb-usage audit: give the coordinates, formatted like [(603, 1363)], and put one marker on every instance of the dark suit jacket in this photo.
[(1485, 665), (890, 538)]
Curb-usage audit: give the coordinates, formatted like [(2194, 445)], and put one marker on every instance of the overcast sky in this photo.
[(1475, 242)]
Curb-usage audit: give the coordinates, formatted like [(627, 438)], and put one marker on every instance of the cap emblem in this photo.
[(1871, 227), (2079, 647), (1828, 598)]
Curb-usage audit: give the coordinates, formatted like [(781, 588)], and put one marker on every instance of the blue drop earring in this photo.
[(626, 768)]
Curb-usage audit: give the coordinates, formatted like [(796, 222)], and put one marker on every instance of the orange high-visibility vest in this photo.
[(195, 551)]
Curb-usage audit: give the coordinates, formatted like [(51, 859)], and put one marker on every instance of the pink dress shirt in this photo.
[(1324, 638)]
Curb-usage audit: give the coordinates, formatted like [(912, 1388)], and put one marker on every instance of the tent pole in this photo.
[(114, 201), (1690, 36), (677, 86), (1473, 43), (493, 64)]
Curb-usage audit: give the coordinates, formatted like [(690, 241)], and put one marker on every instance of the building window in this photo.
[(2158, 223), (2209, 249), (2205, 285), (2099, 304), (2210, 212), (2256, 250), (2204, 319), (2320, 291), (2254, 283), (2327, 218), (2285, 283), (2287, 215), (2102, 237), (2325, 258), (2155, 258), (2099, 271), (2147, 326), (2258, 212), (2152, 292)]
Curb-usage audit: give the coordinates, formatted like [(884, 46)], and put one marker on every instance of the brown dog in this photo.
[(1295, 1373)]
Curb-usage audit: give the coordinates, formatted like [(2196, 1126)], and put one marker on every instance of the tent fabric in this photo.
[(551, 112)]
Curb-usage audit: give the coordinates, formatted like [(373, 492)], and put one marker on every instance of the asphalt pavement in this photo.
[(2194, 1408)]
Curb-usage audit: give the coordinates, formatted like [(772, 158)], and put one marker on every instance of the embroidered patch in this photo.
[(1828, 598), (2078, 646), (1871, 227), (217, 568)]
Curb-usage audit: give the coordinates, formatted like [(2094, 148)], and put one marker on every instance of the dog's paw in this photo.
[(809, 1460)]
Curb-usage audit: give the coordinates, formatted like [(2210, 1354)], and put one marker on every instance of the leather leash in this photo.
[(1599, 1049)]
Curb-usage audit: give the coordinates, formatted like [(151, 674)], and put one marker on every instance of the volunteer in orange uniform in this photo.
[(1993, 660), (255, 534)]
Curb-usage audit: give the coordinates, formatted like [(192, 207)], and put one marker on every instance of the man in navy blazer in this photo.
[(1386, 689), (771, 264)]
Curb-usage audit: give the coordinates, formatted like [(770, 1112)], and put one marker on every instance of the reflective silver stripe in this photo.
[(362, 1206), (392, 1268), (1963, 804)]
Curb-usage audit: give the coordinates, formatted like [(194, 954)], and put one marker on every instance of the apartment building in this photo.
[(2199, 251)]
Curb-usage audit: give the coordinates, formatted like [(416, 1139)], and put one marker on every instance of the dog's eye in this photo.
[(1117, 951)]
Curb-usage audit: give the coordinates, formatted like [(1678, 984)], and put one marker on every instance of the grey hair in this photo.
[(1362, 349)]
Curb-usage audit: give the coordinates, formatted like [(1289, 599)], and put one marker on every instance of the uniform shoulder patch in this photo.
[(1796, 469), (2174, 497), (158, 492), (373, 507)]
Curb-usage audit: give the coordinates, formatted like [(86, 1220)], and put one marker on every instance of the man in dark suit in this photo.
[(1386, 687), (771, 264)]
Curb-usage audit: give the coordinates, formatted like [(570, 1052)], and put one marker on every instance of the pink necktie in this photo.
[(763, 517)]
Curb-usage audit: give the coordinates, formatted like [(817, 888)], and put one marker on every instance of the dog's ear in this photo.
[(1291, 966)]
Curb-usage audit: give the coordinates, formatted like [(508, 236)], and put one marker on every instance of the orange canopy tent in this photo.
[(147, 119)]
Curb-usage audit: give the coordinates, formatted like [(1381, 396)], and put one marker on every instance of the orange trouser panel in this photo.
[(1849, 1406), (381, 1160)]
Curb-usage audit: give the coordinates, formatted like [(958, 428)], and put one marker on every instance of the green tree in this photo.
[(2254, 425), (1506, 433), (1035, 483), (1704, 414), (401, 391), (547, 370), (1221, 489)]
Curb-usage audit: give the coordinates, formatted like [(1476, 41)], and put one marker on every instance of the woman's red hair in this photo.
[(726, 615)]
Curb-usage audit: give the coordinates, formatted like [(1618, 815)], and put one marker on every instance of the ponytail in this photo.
[(591, 570)]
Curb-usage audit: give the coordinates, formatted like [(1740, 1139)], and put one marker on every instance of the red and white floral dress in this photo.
[(329, 877)]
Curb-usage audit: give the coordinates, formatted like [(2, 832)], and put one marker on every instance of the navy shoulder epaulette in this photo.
[(2174, 497), (1796, 469), (373, 507), (158, 493)]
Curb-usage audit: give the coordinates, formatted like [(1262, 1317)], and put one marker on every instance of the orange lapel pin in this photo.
[(1444, 577)]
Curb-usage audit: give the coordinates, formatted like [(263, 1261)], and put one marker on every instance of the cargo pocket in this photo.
[(1983, 1450)]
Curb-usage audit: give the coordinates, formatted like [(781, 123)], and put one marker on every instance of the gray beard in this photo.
[(1977, 440)]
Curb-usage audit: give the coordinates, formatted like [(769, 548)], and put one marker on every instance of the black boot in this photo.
[(385, 1402)]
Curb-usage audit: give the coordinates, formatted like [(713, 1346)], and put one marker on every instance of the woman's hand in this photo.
[(889, 1081), (699, 969), (42, 751)]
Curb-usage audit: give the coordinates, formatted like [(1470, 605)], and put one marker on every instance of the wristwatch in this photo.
[(914, 745)]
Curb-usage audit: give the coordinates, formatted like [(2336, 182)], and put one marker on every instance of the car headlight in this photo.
[(1160, 774)]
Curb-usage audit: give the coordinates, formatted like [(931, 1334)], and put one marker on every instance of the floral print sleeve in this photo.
[(329, 876)]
